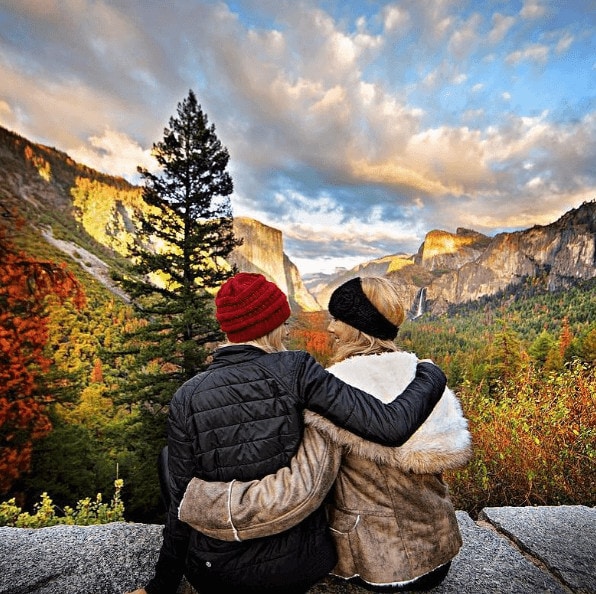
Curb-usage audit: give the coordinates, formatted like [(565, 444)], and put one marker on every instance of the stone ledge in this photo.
[(526, 550)]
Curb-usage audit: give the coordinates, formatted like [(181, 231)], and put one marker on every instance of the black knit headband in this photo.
[(350, 305)]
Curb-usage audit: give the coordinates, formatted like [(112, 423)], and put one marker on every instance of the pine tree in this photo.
[(506, 357), (185, 239), (541, 347), (180, 261)]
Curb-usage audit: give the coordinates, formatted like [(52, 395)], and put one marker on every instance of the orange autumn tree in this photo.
[(25, 284)]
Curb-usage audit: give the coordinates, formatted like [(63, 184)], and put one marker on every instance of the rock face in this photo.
[(262, 251), (544, 530), (465, 266), (300, 298), (443, 250), (398, 267), (508, 551), (563, 252)]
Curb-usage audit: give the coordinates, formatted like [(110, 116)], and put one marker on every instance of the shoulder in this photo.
[(288, 359), (390, 362), (383, 375)]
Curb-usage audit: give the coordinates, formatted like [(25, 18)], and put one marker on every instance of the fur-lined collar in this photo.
[(442, 442)]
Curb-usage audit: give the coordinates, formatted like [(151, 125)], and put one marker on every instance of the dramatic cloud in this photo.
[(353, 127)]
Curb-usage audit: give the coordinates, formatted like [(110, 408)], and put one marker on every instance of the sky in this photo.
[(354, 127)]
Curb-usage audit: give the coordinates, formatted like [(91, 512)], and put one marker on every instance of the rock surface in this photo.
[(508, 551), (556, 536)]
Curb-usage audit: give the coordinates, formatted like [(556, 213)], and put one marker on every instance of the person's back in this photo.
[(390, 514), (242, 424)]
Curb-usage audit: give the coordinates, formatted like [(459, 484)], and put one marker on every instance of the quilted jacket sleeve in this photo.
[(388, 424), (170, 564), (243, 510)]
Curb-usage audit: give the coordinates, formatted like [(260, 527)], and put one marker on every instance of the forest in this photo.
[(86, 375), (522, 364)]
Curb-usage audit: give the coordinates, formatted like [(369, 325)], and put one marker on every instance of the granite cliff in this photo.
[(508, 550), (561, 254), (454, 268), (93, 216), (262, 251)]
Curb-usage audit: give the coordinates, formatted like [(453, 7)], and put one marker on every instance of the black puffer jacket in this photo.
[(242, 419)]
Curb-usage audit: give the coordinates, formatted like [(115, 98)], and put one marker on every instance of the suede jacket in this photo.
[(391, 516), (243, 419)]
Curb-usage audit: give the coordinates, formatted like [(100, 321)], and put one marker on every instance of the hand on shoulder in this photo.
[(139, 591)]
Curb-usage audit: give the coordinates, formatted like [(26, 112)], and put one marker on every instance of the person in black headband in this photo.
[(367, 313), (350, 305)]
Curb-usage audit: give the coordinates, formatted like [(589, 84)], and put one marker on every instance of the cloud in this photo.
[(532, 9), (115, 152), (465, 38), (394, 18), (501, 26), (6, 113), (564, 43), (372, 120), (535, 53), (323, 244)]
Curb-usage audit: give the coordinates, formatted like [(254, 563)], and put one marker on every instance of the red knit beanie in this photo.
[(249, 306)]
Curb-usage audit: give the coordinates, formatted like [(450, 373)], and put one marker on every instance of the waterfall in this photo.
[(418, 308)]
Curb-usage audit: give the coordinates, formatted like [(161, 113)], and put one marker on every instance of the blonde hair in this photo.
[(382, 293), (270, 343)]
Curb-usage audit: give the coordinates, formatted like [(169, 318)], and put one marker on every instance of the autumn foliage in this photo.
[(529, 397), (309, 333), (534, 440), (25, 285)]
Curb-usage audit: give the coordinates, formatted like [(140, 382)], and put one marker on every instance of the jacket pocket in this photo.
[(342, 522)]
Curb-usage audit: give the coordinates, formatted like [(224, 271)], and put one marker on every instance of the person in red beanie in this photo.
[(242, 419)]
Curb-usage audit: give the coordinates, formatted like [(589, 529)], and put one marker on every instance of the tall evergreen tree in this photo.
[(186, 235)]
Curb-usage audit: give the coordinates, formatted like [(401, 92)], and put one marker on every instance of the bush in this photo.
[(87, 512), (534, 440)]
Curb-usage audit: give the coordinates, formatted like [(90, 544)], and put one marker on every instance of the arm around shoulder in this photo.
[(366, 416), (419, 398)]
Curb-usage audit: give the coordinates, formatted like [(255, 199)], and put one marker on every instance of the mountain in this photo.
[(561, 254), (442, 250), (93, 217), (262, 251), (321, 286), (454, 268)]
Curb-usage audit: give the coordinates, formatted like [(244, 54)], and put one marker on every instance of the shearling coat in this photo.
[(390, 515)]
